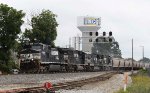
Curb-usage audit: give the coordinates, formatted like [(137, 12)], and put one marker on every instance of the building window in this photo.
[(90, 33), (90, 40)]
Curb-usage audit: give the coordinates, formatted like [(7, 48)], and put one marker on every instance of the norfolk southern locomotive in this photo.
[(39, 58)]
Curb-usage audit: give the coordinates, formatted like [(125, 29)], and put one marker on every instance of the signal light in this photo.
[(96, 40), (110, 39), (104, 33), (110, 33), (90, 40), (104, 39), (90, 33), (96, 33)]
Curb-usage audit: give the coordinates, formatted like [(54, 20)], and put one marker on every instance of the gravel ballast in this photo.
[(34, 80), (108, 86)]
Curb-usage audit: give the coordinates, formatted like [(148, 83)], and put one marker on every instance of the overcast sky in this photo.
[(127, 19)]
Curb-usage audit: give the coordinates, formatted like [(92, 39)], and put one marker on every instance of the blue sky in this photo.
[(127, 19)]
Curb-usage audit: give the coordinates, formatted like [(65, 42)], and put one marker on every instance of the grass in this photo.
[(140, 83)]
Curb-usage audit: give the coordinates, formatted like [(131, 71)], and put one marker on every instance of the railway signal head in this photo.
[(110, 33), (110, 39), (96, 33), (104, 39), (104, 33), (90, 33)]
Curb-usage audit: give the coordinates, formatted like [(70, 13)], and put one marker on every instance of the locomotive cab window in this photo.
[(54, 52), (56, 57), (36, 47), (66, 56), (36, 55), (22, 56), (75, 55)]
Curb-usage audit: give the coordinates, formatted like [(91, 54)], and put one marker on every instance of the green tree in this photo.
[(111, 49), (25, 37), (10, 23), (146, 60), (43, 28)]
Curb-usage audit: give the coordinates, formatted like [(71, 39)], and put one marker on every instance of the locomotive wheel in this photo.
[(88, 68), (75, 68), (67, 68), (92, 68), (84, 68), (62, 68)]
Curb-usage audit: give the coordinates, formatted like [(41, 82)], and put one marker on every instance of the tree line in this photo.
[(43, 29)]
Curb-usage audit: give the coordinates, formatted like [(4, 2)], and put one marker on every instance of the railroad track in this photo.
[(66, 85)]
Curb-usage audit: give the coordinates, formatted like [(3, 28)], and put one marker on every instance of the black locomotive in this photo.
[(39, 58)]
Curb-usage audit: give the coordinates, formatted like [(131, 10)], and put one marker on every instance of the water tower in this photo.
[(89, 27)]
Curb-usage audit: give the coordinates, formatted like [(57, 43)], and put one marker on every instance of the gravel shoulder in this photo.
[(108, 86), (34, 80)]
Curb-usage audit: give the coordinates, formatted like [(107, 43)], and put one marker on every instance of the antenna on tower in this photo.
[(78, 41), (75, 43), (69, 42)]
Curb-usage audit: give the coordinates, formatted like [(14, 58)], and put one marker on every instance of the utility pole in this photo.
[(69, 42), (79, 44), (75, 43), (132, 55), (142, 52)]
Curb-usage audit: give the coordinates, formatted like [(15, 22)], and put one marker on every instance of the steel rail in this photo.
[(65, 85)]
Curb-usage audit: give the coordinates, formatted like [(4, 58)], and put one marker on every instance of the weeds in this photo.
[(140, 84)]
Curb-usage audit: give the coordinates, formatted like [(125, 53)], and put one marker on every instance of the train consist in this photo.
[(40, 58)]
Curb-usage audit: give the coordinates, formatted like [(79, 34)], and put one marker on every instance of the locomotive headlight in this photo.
[(32, 59)]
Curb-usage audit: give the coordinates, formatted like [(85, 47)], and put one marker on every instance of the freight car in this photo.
[(126, 64)]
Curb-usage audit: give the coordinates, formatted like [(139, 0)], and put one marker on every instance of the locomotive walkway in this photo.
[(70, 82)]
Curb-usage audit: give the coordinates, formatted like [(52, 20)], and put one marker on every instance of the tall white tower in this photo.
[(88, 26)]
